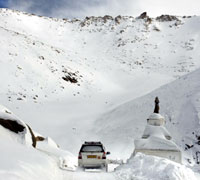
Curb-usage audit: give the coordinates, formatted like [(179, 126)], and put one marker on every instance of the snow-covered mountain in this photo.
[(96, 78), (102, 53), (180, 106)]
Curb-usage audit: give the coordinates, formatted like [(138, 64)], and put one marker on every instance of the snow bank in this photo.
[(153, 168), (19, 162), (12, 130), (8, 115), (65, 159)]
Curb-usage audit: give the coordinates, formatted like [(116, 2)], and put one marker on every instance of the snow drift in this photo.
[(144, 167), (19, 160)]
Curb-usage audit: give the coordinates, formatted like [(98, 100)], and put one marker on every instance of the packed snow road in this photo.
[(88, 176)]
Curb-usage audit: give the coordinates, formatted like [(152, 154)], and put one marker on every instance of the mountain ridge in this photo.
[(62, 72)]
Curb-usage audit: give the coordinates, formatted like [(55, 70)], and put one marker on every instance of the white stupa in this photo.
[(156, 140)]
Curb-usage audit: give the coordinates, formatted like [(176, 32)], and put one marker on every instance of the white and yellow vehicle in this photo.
[(93, 155)]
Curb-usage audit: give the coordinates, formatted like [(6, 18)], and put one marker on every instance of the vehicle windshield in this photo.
[(92, 148)]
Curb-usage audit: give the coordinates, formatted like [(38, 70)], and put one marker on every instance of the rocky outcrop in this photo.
[(118, 19), (11, 125), (92, 19), (164, 18), (34, 138), (143, 15), (71, 76), (70, 79), (106, 18)]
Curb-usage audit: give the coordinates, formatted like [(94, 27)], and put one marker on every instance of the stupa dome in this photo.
[(156, 120)]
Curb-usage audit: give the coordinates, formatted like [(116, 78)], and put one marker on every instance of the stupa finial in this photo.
[(156, 109)]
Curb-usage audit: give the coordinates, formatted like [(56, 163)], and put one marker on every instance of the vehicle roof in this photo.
[(92, 143)]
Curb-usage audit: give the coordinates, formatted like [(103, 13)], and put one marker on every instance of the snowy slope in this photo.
[(113, 60), (104, 53), (180, 102), (19, 160), (91, 79)]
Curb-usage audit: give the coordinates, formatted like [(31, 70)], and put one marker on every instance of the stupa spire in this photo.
[(156, 109)]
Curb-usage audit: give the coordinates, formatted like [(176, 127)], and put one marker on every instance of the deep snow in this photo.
[(150, 168), (120, 68)]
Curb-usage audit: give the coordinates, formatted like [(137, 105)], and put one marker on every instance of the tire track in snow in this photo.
[(88, 176)]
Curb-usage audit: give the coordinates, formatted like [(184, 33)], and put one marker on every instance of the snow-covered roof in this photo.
[(155, 143), (156, 131), (155, 116)]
